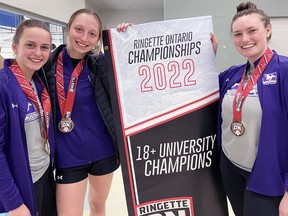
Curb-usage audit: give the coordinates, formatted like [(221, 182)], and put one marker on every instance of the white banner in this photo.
[(178, 62), (164, 90)]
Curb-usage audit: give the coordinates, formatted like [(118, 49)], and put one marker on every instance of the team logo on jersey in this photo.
[(269, 79), (30, 107), (32, 113)]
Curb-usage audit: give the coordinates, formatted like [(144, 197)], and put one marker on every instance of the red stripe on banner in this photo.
[(151, 125)]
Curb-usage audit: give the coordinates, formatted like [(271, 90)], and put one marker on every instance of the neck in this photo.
[(252, 60), (28, 74), (74, 55)]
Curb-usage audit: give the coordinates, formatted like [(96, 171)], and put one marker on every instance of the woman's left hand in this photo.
[(283, 207), (214, 41), (123, 27)]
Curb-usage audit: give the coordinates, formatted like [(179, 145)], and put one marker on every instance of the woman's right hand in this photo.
[(20, 211)]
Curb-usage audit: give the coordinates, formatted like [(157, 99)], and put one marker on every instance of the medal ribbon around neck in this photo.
[(242, 93), (45, 100), (66, 104)]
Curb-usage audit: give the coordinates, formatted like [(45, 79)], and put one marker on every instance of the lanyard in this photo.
[(237, 126), (45, 100), (66, 104)]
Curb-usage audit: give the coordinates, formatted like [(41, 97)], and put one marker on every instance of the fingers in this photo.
[(214, 41), (123, 27)]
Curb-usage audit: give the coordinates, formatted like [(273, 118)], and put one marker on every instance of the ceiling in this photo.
[(126, 4)]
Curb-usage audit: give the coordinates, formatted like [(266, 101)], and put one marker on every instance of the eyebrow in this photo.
[(252, 27), (29, 41)]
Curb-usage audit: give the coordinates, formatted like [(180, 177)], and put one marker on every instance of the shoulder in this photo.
[(5, 72), (100, 60), (53, 58), (283, 69), (6, 82), (231, 71), (97, 64), (4, 79), (280, 62)]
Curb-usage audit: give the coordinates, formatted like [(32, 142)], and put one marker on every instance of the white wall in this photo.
[(111, 18), (59, 10), (222, 12)]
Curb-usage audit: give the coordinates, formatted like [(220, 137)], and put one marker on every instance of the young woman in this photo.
[(86, 147), (26, 134), (253, 123)]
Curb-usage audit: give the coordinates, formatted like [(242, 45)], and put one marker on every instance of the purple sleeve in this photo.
[(9, 193), (283, 72)]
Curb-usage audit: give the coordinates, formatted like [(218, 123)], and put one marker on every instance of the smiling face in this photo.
[(250, 36), (32, 50), (83, 35)]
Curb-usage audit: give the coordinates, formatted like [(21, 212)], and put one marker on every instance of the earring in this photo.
[(96, 47)]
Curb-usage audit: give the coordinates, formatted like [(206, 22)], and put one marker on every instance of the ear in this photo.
[(14, 48), (269, 30)]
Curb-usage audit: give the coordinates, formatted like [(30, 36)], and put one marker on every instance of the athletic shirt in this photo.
[(39, 160), (242, 150), (90, 140)]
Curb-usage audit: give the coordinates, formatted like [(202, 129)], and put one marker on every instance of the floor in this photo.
[(116, 203)]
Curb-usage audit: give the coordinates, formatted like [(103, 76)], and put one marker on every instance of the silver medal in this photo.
[(66, 125), (237, 128)]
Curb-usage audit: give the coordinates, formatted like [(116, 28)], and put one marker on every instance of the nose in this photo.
[(38, 51), (246, 37), (84, 36)]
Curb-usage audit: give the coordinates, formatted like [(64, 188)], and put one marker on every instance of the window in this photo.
[(8, 25)]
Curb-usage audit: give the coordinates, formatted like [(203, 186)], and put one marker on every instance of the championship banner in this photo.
[(164, 89)]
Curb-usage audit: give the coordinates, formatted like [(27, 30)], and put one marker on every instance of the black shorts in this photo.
[(45, 195), (76, 174)]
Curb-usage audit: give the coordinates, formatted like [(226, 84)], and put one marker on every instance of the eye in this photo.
[(45, 48), (30, 45), (92, 34), (78, 29), (252, 30), (237, 34)]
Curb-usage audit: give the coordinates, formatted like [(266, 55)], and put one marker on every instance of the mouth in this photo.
[(36, 60), (81, 44), (247, 46)]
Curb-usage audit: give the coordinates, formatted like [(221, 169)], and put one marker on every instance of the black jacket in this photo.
[(99, 82)]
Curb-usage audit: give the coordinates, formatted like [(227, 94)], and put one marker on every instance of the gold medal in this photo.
[(66, 125), (237, 128), (47, 147)]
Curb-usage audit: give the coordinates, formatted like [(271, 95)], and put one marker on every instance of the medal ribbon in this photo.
[(45, 99), (240, 95), (66, 105)]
